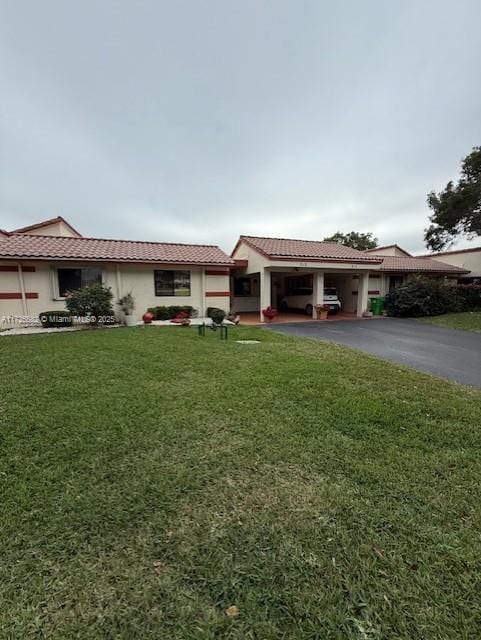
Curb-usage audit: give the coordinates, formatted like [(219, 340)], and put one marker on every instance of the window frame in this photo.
[(157, 294), (55, 276)]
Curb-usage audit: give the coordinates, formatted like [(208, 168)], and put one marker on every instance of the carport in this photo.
[(266, 267)]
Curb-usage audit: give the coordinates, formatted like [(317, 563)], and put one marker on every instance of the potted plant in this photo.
[(321, 311), (127, 306), (269, 313)]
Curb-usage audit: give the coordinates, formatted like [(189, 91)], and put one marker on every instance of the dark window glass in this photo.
[(70, 279), (395, 281), (242, 287), (299, 285), (172, 283)]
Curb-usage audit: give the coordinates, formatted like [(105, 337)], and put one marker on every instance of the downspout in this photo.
[(119, 283), (202, 293), (22, 289)]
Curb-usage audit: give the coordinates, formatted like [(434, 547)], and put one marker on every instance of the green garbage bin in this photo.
[(381, 302), (376, 306)]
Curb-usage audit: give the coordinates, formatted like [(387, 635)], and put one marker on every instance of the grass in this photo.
[(467, 320), (152, 479)]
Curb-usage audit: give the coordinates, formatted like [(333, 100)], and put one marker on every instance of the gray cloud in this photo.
[(200, 120)]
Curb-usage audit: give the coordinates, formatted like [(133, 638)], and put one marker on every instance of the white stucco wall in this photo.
[(137, 279)]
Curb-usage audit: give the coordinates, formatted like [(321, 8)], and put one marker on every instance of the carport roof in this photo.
[(286, 249)]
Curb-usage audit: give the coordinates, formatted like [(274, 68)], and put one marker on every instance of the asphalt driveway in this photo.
[(449, 353)]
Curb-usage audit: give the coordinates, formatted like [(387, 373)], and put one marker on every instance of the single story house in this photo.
[(41, 262), (267, 267)]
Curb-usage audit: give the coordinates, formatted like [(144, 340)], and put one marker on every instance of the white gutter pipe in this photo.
[(22, 289)]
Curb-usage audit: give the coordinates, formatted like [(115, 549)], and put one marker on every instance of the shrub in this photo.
[(167, 313), (93, 301), (469, 296), (159, 313), (216, 314), (190, 311), (55, 318), (421, 297)]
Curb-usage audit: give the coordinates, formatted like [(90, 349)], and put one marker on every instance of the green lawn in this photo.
[(151, 479), (467, 320)]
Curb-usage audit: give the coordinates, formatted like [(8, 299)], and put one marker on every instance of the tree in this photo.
[(355, 240), (457, 209)]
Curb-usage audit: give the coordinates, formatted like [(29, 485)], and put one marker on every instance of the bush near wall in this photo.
[(469, 296), (92, 301), (168, 313), (216, 314), (55, 319), (423, 296)]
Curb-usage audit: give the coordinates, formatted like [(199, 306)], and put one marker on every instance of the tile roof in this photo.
[(283, 248), (395, 263), (26, 246)]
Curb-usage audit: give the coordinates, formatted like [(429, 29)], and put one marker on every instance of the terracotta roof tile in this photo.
[(66, 248), (311, 249), (395, 263)]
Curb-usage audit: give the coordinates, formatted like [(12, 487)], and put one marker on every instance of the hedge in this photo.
[(423, 296), (168, 313)]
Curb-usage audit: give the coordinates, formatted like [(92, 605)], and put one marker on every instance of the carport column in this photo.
[(265, 290), (318, 291), (362, 293)]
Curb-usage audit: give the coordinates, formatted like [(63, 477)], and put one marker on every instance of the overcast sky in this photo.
[(197, 121)]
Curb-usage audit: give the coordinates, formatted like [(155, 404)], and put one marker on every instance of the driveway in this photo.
[(449, 353)]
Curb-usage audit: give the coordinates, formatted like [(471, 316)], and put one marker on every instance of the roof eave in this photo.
[(31, 258), (324, 259)]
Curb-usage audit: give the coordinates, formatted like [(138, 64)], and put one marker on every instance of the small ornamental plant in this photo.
[(269, 313), (127, 304)]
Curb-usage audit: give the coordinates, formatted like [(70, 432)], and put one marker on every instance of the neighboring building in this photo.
[(38, 264), (268, 267), (469, 259)]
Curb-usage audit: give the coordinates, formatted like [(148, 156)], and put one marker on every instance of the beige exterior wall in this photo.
[(137, 279), (467, 260), (388, 251), (55, 229)]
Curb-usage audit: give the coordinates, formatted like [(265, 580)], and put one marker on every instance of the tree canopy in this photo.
[(354, 239), (456, 209)]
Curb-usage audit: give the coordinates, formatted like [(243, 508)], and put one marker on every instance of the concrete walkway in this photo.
[(449, 353)]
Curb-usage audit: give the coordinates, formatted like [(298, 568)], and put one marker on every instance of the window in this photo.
[(300, 285), (70, 279), (242, 287), (172, 283), (395, 281)]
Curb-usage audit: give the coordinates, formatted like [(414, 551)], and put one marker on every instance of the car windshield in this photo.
[(330, 291)]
